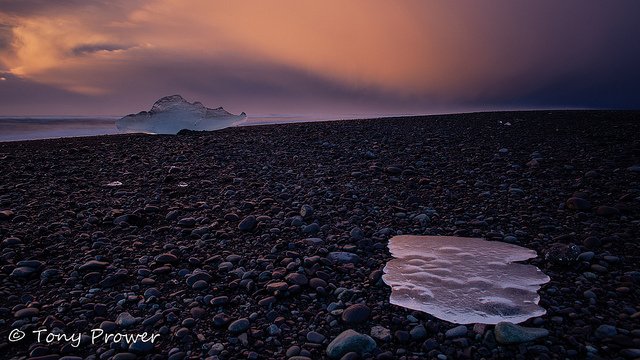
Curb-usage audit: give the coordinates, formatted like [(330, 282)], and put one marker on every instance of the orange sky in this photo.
[(282, 56)]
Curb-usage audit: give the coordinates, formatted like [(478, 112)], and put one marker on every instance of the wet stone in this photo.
[(343, 257), (141, 346), (508, 333), (576, 203), (306, 211), (458, 331), (562, 254), (125, 320), (6, 215), (315, 337), (248, 223), (297, 278), (267, 302), (200, 285), (26, 313), (219, 300), (23, 272), (350, 341), (293, 351), (313, 241), (11, 241), (239, 326), (605, 331), (317, 282), (607, 211), (275, 286), (311, 229), (220, 320), (108, 326), (356, 233), (187, 222), (92, 278), (166, 258), (356, 314), (93, 265), (198, 276), (380, 333), (418, 332)]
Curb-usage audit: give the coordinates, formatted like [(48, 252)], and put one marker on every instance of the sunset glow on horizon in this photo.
[(334, 57)]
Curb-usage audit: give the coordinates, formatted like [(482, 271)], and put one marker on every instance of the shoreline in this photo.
[(394, 117)]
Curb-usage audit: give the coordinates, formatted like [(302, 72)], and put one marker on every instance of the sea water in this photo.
[(46, 127)]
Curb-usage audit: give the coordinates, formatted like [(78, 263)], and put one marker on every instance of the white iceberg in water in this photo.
[(464, 280), (173, 113)]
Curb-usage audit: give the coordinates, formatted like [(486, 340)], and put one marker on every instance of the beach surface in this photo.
[(269, 241)]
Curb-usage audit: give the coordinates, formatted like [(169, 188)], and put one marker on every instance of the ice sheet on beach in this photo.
[(173, 113), (464, 280)]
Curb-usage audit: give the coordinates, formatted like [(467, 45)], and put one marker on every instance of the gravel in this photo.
[(277, 245)]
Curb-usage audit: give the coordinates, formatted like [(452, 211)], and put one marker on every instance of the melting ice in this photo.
[(464, 280), (173, 113)]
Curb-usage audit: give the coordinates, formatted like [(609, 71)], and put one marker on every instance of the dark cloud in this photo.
[(6, 37), (609, 87), (237, 84), (92, 48), (19, 96), (542, 54), (25, 7), (259, 86), (48, 7)]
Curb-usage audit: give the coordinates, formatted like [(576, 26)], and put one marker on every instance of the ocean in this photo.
[(46, 127)]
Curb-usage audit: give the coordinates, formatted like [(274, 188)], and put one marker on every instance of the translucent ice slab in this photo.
[(464, 280)]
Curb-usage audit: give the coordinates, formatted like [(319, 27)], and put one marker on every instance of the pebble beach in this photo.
[(268, 242)]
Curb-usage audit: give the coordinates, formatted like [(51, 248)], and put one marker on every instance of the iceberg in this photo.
[(464, 280), (173, 113)]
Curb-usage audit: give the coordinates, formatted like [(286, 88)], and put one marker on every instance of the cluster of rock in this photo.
[(269, 242)]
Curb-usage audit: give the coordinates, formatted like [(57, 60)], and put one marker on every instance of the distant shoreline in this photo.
[(101, 126)]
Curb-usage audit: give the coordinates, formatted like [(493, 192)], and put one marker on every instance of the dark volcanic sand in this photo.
[(378, 176)]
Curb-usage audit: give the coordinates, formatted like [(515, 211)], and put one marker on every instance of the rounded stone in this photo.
[(141, 346), (350, 341), (239, 326), (605, 331), (343, 257), (306, 211), (356, 314), (509, 333), (297, 278), (166, 258), (26, 312), (315, 337), (458, 331), (248, 223), (199, 285), (576, 203)]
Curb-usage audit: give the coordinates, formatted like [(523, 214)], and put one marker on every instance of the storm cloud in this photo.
[(104, 57), (92, 48)]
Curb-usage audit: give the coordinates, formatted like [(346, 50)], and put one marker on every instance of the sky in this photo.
[(115, 57)]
